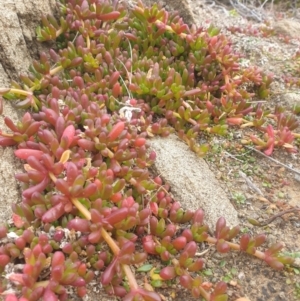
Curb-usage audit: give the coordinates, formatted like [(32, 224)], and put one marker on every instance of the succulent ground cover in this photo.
[(91, 209)]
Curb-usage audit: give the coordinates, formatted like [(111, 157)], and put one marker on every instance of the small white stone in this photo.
[(12, 235)]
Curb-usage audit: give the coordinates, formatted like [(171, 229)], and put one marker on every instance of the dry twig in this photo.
[(271, 219), (274, 160)]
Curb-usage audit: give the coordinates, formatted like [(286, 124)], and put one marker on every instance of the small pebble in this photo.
[(241, 275), (282, 296), (252, 283)]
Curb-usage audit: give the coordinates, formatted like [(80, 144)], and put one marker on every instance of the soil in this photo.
[(274, 187)]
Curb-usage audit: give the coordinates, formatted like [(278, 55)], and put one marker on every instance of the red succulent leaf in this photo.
[(28, 280), (36, 294), (58, 259), (6, 141), (117, 216), (33, 128), (190, 249), (260, 239), (10, 124), (72, 172), (197, 265), (89, 190), (149, 296), (179, 242), (221, 223), (94, 237), (271, 140), (198, 217), (234, 121), (144, 214), (4, 260), (3, 231), (170, 230), (54, 213), (165, 255), (109, 273), (222, 246), (187, 233), (18, 278), (17, 220), (149, 244), (220, 288), (244, 241), (62, 186), (274, 263), (186, 281), (36, 164), (139, 142), (49, 295), (154, 208), (81, 291), (109, 16), (68, 134), (128, 202), (270, 148), (79, 224), (233, 232), (37, 188), (96, 217), (67, 248), (274, 249), (127, 249), (116, 131), (25, 153), (79, 282), (11, 297), (57, 273), (68, 278)]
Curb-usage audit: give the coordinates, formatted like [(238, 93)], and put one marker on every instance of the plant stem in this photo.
[(111, 243), (236, 247), (52, 177), (51, 72), (204, 294), (81, 208), (6, 135)]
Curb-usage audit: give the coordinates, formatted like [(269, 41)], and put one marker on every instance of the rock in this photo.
[(291, 98), (9, 191), (18, 20), (296, 263), (193, 184), (287, 27)]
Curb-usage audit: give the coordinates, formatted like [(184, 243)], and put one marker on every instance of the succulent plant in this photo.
[(118, 76)]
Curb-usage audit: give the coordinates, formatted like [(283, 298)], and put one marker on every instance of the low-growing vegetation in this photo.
[(89, 202)]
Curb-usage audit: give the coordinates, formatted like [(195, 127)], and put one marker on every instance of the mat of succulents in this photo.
[(95, 221)]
